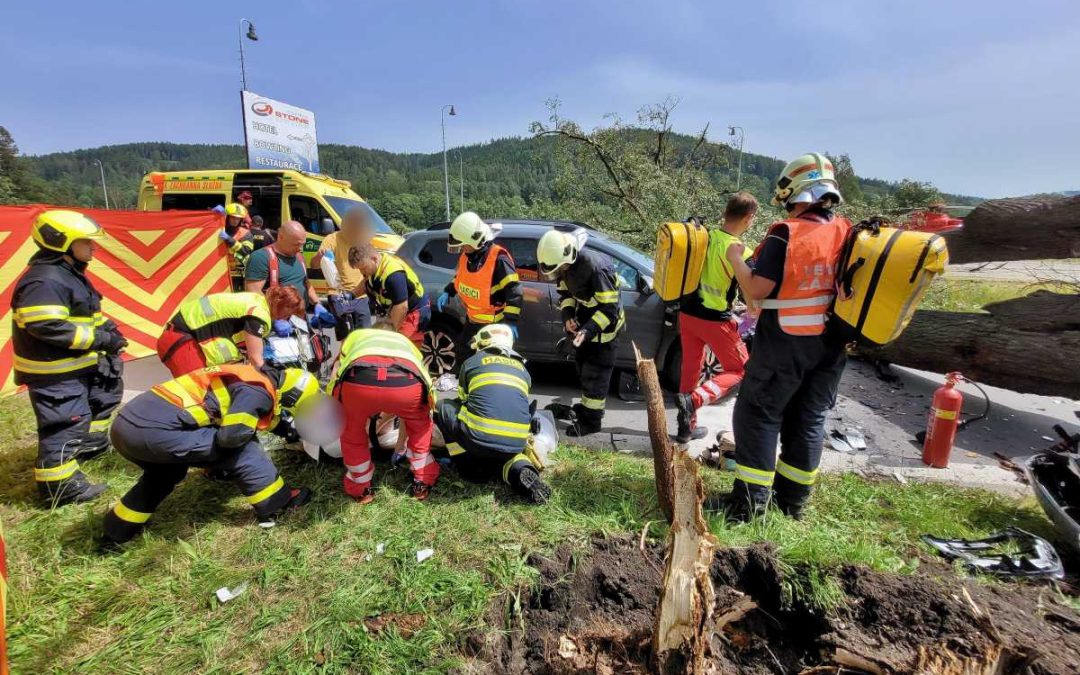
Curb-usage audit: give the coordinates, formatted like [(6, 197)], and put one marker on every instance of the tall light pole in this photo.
[(240, 38), (445, 167), (104, 189), (461, 180), (742, 138)]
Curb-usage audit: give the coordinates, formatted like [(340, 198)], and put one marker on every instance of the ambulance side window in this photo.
[(308, 213)]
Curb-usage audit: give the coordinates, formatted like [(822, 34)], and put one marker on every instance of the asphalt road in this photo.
[(1030, 271)]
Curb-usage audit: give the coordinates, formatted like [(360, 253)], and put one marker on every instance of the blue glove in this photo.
[(440, 302), (329, 255), (324, 317), (514, 330), (226, 237), (283, 328), (397, 459)]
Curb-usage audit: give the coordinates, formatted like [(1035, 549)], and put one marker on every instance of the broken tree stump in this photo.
[(684, 613), (1023, 344), (658, 433), (1025, 228)]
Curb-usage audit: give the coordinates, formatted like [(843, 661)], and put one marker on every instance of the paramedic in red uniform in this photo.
[(381, 371), (705, 320), (795, 367)]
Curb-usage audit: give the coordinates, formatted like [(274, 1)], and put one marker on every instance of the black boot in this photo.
[(527, 483), (298, 496), (560, 411), (75, 490), (687, 430), (738, 508)]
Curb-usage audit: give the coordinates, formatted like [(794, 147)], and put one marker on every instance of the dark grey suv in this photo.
[(540, 325)]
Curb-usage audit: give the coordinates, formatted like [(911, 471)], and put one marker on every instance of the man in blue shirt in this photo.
[(290, 267)]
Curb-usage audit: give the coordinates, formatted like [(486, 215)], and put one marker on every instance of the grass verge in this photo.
[(320, 598)]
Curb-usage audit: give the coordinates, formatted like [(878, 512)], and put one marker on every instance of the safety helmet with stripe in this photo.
[(468, 228), (56, 230), (556, 250), (236, 210), (298, 389), (809, 178), (495, 336)]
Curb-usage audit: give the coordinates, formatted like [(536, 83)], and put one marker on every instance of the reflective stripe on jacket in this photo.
[(190, 392), (218, 322), (809, 284), (717, 287), (389, 264), (56, 322), (367, 342), (494, 391)]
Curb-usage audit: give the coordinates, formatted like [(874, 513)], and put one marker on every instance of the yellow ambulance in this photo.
[(315, 201)]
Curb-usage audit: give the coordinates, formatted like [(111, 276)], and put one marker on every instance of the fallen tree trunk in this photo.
[(1030, 344), (1025, 228)]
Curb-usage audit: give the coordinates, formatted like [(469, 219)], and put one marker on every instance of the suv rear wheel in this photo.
[(439, 348)]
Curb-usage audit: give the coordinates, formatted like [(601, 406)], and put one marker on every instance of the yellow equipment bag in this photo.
[(680, 257), (883, 274)]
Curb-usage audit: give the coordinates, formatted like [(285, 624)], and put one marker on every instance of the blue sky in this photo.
[(977, 97)]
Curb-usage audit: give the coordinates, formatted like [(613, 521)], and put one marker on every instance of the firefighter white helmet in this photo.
[(468, 229), (495, 336), (556, 250)]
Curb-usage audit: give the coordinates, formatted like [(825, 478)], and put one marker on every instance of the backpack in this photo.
[(882, 276), (680, 258)]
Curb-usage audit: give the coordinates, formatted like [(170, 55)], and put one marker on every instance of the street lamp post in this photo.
[(240, 38), (742, 138), (461, 180), (104, 189), (445, 166)]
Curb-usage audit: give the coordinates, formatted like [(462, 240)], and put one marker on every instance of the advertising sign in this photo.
[(279, 135)]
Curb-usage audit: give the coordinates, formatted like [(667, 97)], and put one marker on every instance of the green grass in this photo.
[(151, 608), (971, 295)]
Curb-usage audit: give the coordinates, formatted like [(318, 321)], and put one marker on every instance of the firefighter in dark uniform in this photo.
[(209, 418), (487, 427), (486, 282), (592, 318), (67, 354), (796, 363), (394, 291)]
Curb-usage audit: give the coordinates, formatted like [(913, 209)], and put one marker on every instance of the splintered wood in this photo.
[(684, 614)]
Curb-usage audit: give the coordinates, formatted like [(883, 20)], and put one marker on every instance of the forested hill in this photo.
[(502, 177)]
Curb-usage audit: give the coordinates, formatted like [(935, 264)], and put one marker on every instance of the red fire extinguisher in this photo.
[(943, 422)]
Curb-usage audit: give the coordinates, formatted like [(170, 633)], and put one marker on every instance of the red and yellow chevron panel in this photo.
[(149, 263)]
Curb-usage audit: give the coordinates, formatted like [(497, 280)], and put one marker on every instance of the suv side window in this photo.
[(434, 253), (524, 254), (627, 274)]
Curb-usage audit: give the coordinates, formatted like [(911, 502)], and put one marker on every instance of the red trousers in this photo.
[(410, 404), (722, 337), (410, 328), (180, 353)]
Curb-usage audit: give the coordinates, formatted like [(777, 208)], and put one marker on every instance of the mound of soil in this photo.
[(595, 615)]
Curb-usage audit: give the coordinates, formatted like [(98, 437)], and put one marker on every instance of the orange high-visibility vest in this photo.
[(474, 288), (809, 285), (189, 391)]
